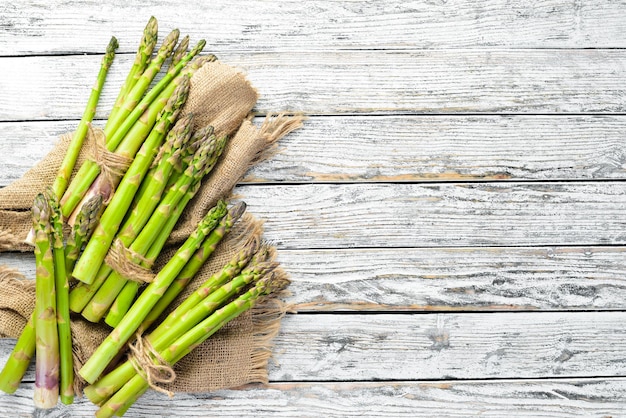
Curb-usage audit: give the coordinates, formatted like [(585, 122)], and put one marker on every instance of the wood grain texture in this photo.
[(439, 215), (444, 279), (563, 398), (336, 347), (32, 27), (432, 81), (464, 279), (405, 149)]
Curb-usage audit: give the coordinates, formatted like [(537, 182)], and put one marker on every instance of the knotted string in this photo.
[(129, 263), (150, 365), (112, 165)]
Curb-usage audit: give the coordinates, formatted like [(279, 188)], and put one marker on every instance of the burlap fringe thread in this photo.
[(274, 127), (8, 241)]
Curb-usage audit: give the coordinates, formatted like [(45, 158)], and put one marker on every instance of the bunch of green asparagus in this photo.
[(122, 205), (248, 276)]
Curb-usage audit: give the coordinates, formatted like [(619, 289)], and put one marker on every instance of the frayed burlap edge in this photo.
[(266, 319)]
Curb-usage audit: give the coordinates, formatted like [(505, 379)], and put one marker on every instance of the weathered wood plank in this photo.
[(439, 215), (322, 216), (546, 398), (444, 279), (406, 148), (31, 27), (358, 347), (337, 347), (436, 81), (468, 279)]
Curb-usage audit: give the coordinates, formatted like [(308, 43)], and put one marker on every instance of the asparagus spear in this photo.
[(47, 341), (111, 345), (95, 251), (20, 358), (66, 370), (107, 293), (144, 52), (85, 223), (83, 228), (232, 268), (134, 388), (69, 161)]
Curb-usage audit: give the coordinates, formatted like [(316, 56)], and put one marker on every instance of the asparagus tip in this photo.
[(113, 45), (41, 210), (237, 210)]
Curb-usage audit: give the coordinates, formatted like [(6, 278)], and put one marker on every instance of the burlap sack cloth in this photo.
[(222, 97)]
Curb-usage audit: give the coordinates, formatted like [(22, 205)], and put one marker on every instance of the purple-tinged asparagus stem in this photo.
[(47, 340)]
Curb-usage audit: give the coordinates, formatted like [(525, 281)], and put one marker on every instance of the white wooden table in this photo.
[(453, 214)]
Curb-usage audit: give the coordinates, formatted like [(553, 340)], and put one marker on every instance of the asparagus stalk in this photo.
[(232, 268), (144, 52), (69, 161), (82, 293), (82, 230), (66, 370), (95, 251), (20, 358), (124, 397), (111, 345), (141, 85), (124, 300), (107, 293), (47, 340)]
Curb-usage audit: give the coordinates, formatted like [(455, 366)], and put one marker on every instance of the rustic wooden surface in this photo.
[(451, 214)]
